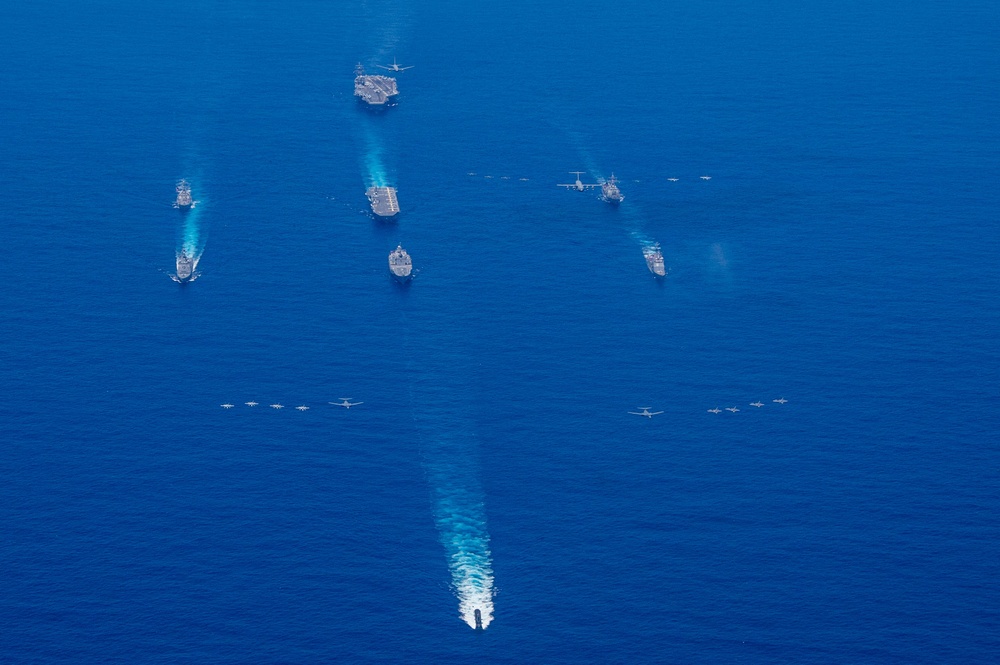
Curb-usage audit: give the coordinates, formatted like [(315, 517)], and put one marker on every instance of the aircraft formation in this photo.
[(758, 404), (645, 410), (343, 401)]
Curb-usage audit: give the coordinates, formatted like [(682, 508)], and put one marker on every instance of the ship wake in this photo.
[(191, 241), (448, 445), (461, 522), (374, 162)]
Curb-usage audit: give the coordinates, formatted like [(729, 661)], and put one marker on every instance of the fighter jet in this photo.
[(672, 179), (779, 401), (706, 177), (757, 404), (277, 406), (645, 412), (395, 67), (251, 403), (579, 186), (732, 408), (302, 408), (715, 410), (227, 406), (346, 402)]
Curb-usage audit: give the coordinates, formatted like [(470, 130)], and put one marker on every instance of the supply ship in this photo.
[(184, 200), (383, 200), (376, 91), (400, 264), (610, 191), (654, 260)]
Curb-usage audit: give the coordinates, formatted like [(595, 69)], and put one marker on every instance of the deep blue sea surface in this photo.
[(843, 256)]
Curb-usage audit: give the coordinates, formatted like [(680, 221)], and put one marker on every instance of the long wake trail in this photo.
[(374, 160), (449, 448)]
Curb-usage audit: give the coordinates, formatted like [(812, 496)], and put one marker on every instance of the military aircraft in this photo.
[(733, 409), (672, 179), (251, 403), (779, 401), (277, 406), (227, 406), (302, 408), (578, 186), (758, 404), (715, 410), (706, 177), (395, 67), (346, 402), (645, 412)]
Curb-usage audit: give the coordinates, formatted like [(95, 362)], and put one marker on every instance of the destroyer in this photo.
[(654, 260), (400, 264), (383, 200), (184, 200), (610, 191), (185, 266), (376, 91)]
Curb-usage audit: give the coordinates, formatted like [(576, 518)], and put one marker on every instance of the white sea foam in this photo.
[(461, 521)]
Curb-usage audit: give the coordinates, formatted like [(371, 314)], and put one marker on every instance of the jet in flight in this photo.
[(732, 408), (715, 410), (645, 412), (395, 67), (706, 177), (277, 406), (672, 179), (758, 404), (302, 408), (251, 403), (226, 406), (346, 402), (779, 401), (578, 186)]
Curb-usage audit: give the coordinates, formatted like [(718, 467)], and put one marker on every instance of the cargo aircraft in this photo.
[(578, 185)]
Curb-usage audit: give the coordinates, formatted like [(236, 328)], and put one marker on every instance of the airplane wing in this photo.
[(656, 413), (403, 69), (384, 67)]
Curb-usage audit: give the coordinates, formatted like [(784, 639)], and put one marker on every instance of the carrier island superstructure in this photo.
[(376, 91)]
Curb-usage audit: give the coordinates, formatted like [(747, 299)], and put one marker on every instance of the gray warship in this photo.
[(383, 200), (654, 260), (610, 191), (185, 266), (400, 264), (184, 199), (376, 91)]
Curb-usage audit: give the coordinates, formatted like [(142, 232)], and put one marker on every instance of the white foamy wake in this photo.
[(461, 521), (374, 163)]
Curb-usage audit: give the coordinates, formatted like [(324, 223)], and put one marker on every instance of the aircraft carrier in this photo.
[(185, 266), (400, 264), (611, 193), (383, 200), (654, 260), (376, 91), (184, 199)]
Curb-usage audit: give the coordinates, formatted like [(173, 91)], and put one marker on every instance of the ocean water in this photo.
[(842, 256)]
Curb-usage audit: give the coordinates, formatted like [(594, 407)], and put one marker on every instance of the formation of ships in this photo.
[(377, 92)]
